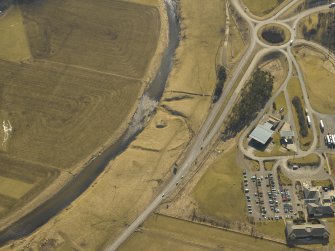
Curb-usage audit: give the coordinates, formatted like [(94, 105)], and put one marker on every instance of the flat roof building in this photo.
[(262, 133)]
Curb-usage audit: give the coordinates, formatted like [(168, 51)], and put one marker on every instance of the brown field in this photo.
[(166, 233), (20, 181), (318, 69), (53, 120), (110, 36), (261, 8), (76, 91), (134, 177)]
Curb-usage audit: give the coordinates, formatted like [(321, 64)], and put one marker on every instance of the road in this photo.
[(211, 127)]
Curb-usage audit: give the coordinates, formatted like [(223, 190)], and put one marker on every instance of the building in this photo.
[(262, 133), (317, 210), (306, 233), (317, 202), (287, 136)]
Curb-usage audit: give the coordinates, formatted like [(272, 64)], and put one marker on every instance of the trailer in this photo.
[(322, 126), (308, 120)]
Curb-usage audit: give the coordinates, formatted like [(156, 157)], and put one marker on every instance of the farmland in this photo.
[(165, 233), (318, 69), (70, 81), (109, 37), (261, 8)]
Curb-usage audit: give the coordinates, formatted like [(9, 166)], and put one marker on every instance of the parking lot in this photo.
[(265, 199), (329, 129)]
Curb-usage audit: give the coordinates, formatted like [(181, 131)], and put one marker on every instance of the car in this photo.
[(277, 210), (244, 172), (246, 190), (248, 200), (163, 194), (291, 42), (245, 184), (256, 194)]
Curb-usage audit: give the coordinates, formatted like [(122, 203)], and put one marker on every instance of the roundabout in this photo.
[(274, 34)]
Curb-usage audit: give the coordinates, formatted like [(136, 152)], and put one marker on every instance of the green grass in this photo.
[(294, 89), (261, 7), (165, 233), (218, 193)]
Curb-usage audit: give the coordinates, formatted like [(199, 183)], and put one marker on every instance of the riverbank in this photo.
[(67, 176), (132, 179)]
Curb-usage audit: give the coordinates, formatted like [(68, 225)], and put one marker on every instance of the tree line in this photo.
[(221, 76), (254, 96), (301, 116)]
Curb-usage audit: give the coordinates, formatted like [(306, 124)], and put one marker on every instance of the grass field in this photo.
[(111, 36), (294, 89), (268, 165), (20, 181), (261, 7), (274, 229), (75, 92), (53, 120), (281, 102), (13, 41), (219, 193), (165, 233), (311, 158), (318, 69)]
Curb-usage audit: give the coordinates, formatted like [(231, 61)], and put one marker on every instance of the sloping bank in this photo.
[(134, 177), (84, 179)]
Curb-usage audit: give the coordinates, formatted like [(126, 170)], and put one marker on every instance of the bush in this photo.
[(221, 78), (301, 116)]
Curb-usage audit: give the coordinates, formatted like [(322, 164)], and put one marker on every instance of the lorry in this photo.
[(322, 126), (308, 121)]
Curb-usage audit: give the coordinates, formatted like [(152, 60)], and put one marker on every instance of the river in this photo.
[(72, 190)]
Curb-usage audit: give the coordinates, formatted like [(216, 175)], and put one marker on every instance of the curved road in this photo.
[(211, 127)]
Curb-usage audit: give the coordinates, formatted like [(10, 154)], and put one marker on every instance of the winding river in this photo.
[(72, 190)]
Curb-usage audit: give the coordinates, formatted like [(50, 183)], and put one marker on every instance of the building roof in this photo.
[(262, 133), (286, 134), (320, 210), (306, 231), (311, 194)]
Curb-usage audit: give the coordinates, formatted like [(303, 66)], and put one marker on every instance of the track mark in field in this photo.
[(85, 68)]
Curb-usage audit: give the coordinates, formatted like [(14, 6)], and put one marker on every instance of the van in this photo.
[(332, 5), (295, 167)]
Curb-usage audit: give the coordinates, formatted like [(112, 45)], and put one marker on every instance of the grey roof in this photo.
[(321, 210), (286, 134), (306, 231), (268, 125), (261, 133), (312, 194)]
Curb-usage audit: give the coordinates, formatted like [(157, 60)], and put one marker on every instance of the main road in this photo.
[(211, 127)]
